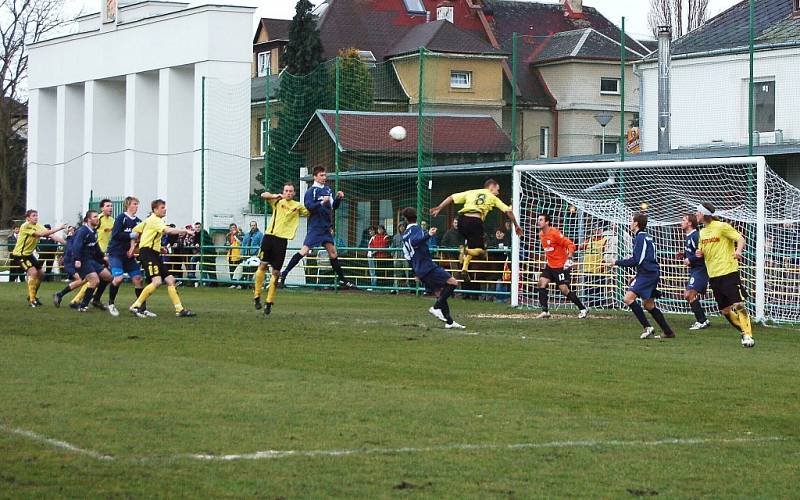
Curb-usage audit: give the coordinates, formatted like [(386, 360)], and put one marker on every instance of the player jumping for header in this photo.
[(645, 284), (558, 249), (286, 212), (477, 204), (434, 277), (321, 202), (721, 246)]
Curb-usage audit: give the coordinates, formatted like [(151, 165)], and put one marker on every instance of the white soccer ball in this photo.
[(398, 133)]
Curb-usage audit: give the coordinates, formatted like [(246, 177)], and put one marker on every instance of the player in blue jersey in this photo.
[(69, 269), (120, 254), (321, 202), (89, 262), (698, 275), (645, 285), (433, 276)]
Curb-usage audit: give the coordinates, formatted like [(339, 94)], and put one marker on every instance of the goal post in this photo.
[(592, 203)]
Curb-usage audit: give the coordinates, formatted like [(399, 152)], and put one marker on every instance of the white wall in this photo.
[(127, 101), (710, 98)]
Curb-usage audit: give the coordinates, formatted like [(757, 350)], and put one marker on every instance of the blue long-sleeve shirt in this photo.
[(121, 234), (320, 218), (644, 255), (690, 251), (252, 242), (84, 245), (415, 250)]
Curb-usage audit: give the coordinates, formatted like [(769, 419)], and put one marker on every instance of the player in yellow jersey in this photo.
[(155, 270), (477, 204), (22, 257), (106, 223), (282, 227), (721, 246)]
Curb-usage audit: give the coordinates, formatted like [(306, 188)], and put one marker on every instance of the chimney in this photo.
[(573, 9), (445, 12), (664, 77)]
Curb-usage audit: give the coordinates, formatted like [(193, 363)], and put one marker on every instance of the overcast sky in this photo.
[(635, 11)]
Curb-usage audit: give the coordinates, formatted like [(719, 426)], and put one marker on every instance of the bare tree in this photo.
[(22, 22), (671, 13)]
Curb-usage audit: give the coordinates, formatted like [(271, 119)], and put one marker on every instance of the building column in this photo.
[(88, 140), (130, 134), (164, 83)]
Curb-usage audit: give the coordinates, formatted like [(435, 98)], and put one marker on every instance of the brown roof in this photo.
[(442, 36), (367, 132), (277, 29)]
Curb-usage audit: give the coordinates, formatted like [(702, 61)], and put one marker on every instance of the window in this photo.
[(414, 6), (544, 142), (263, 63), (461, 79), (265, 140), (609, 86), (610, 146), (764, 103)]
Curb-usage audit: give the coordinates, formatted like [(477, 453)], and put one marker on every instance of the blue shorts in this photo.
[(70, 270), (88, 268), (124, 265), (698, 281), (436, 278), (645, 286), (317, 238)]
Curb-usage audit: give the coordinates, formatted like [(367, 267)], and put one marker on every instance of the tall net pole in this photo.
[(202, 176), (420, 132), (622, 135), (750, 107), (337, 135), (514, 99), (265, 138)]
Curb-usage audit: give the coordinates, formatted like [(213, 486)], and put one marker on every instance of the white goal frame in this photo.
[(758, 161)]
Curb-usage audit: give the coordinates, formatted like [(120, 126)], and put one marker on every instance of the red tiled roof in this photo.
[(365, 132), (377, 25)]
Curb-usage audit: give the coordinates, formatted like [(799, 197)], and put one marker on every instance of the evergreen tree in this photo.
[(301, 92)]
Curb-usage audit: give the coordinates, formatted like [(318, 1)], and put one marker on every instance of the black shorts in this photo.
[(25, 262), (153, 264), (273, 251), (728, 289), (471, 229), (557, 276)]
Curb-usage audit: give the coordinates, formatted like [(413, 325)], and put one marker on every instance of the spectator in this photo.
[(205, 255), (593, 267), (47, 253), (252, 245), (169, 243), (371, 265), (452, 239), (234, 255), (494, 266), (14, 272), (400, 262), (379, 258)]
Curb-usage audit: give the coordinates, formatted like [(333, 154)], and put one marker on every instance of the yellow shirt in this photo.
[(104, 231), (26, 241), (150, 232), (480, 201), (234, 253), (285, 218), (718, 242), (593, 255)]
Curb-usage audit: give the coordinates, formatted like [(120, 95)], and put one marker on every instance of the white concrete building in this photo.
[(710, 75), (117, 109)]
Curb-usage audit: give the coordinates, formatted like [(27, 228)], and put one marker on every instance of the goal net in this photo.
[(592, 203)]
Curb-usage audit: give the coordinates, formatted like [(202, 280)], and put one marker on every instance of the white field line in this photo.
[(55, 443), (276, 454)]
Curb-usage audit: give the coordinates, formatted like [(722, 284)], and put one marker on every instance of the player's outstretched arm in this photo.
[(513, 218), (48, 232), (435, 210), (270, 196)]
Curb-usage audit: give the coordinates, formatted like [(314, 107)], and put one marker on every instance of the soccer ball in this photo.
[(398, 133)]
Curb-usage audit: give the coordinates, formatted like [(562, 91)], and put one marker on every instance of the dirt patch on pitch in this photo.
[(533, 316)]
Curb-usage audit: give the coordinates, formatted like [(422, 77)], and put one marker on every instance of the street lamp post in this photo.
[(603, 118)]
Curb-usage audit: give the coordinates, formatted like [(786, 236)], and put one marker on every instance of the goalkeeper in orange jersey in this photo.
[(558, 250), (477, 204)]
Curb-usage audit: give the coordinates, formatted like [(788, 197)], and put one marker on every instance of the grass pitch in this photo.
[(366, 395)]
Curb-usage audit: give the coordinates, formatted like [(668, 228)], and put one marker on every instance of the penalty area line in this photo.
[(279, 454), (55, 443)]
